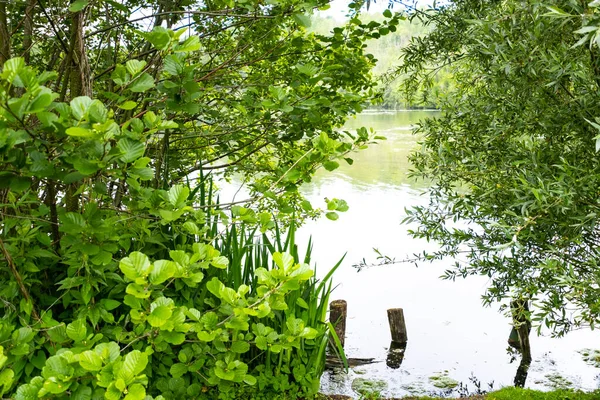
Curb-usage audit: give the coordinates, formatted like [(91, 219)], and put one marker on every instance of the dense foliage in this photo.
[(120, 274), (513, 158), (385, 50)]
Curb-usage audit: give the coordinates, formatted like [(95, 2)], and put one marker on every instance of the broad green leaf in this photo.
[(177, 370), (159, 37), (220, 262), (176, 338), (41, 101), (215, 286), (332, 216), (283, 260), (82, 393), (192, 43), (57, 366), (80, 132), (90, 360), (134, 67), (131, 149), (295, 326), (98, 112), (161, 271), (136, 392), (138, 291), (178, 195), (78, 5), (136, 266), (109, 352), (309, 333), (6, 379), (159, 316), (206, 336), (240, 347), (134, 364), (128, 105), (239, 323), (142, 83), (80, 107), (77, 330)]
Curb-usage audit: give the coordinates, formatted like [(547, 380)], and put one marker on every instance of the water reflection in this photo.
[(386, 163), (450, 330), (395, 355)]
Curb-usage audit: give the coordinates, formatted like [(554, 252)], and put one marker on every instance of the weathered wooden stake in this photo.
[(397, 325), (338, 310)]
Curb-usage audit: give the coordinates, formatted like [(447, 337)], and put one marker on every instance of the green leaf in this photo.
[(77, 330), (80, 107), (176, 338), (240, 347), (136, 392), (161, 271), (332, 216), (131, 150), (77, 131), (178, 195), (6, 380), (283, 260), (109, 352), (134, 67), (177, 370), (387, 13), (220, 262), (331, 165), (142, 83), (159, 316), (41, 101), (128, 105), (192, 43), (98, 112), (90, 361), (82, 393), (295, 325), (134, 364), (159, 37), (309, 333), (78, 5), (136, 266), (215, 286)]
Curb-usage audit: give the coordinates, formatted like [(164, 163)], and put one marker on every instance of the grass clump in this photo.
[(512, 393)]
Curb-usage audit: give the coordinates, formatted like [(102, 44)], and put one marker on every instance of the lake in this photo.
[(450, 332)]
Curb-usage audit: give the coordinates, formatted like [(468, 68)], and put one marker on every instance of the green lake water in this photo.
[(451, 336)]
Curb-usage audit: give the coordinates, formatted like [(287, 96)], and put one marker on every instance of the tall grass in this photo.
[(247, 250)]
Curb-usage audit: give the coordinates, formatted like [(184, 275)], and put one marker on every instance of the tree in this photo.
[(117, 263), (512, 159)]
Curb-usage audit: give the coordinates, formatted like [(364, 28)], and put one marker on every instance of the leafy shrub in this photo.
[(138, 296)]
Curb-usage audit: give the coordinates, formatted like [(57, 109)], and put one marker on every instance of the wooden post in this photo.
[(338, 310), (397, 325)]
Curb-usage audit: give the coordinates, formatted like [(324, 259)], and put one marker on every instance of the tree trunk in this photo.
[(28, 30), (80, 73), (4, 34)]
